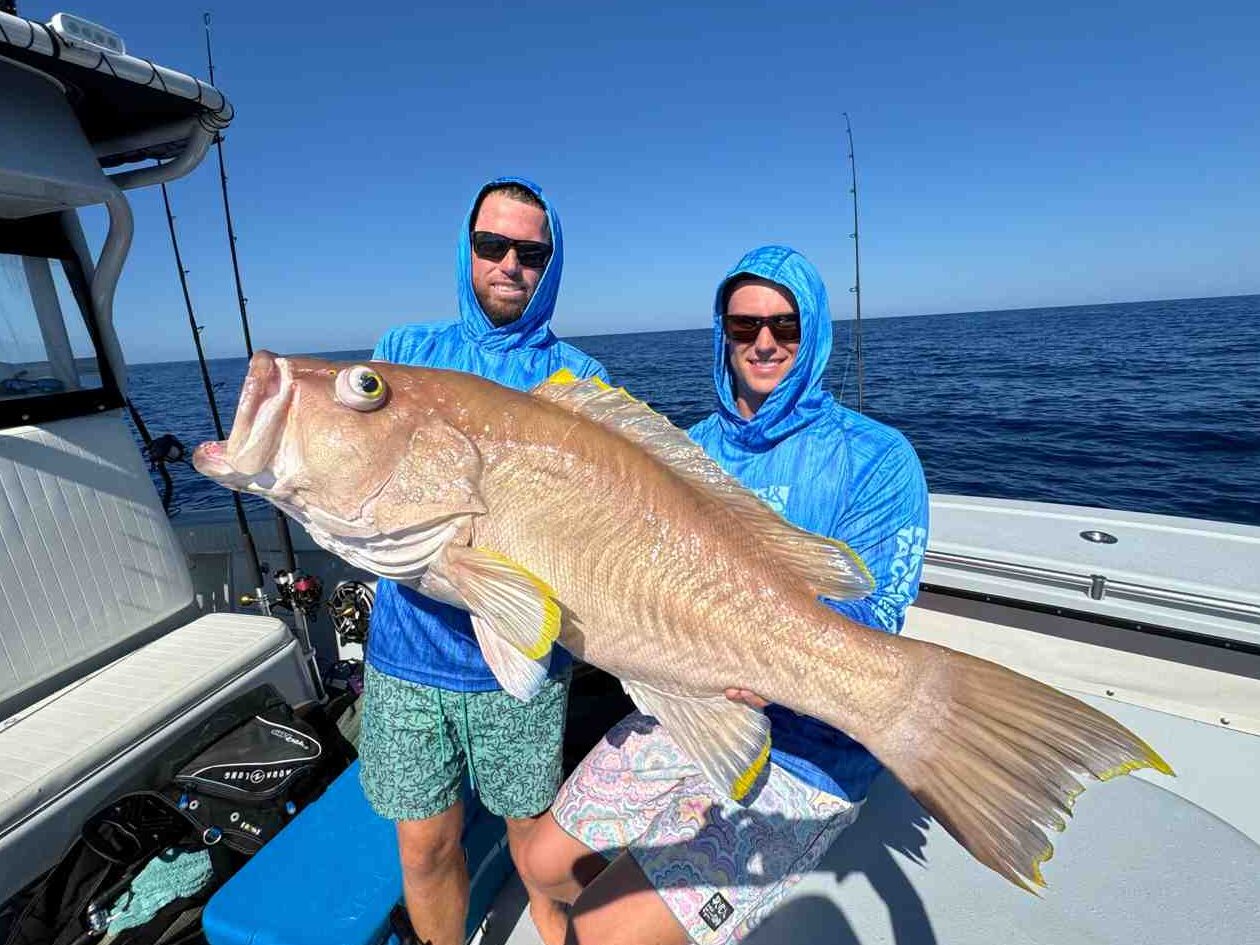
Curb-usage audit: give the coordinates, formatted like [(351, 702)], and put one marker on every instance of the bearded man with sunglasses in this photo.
[(433, 711), (637, 839)]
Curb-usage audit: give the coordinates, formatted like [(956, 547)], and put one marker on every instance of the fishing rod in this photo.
[(298, 592), (282, 523), (242, 524), (160, 451), (857, 266)]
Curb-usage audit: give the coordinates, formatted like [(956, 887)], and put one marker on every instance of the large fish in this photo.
[(576, 515)]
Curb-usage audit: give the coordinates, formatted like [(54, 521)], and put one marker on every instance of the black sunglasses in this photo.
[(742, 329), (494, 246)]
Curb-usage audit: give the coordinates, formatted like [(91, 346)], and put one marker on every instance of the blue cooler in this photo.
[(332, 876)]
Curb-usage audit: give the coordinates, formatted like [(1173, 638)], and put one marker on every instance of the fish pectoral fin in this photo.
[(519, 675), (510, 602), (728, 741)]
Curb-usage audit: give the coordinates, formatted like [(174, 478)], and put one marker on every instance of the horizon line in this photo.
[(834, 320)]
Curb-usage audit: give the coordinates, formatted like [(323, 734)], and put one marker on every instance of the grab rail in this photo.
[(1101, 588)]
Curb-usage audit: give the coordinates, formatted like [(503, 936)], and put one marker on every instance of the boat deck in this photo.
[(1148, 859), (1139, 865)]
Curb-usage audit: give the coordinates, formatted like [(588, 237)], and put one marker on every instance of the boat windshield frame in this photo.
[(44, 237)]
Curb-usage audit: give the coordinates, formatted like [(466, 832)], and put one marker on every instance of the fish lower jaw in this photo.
[(259, 451), (210, 460)]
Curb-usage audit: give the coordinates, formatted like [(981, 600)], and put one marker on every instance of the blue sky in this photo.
[(1009, 156)]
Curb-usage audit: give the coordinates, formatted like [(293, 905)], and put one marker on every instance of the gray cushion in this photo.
[(56, 745), (89, 565)]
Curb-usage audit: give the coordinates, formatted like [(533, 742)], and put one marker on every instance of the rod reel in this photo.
[(301, 594), (350, 608), (298, 592)]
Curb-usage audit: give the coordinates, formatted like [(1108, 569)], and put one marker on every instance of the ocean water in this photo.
[(1144, 406)]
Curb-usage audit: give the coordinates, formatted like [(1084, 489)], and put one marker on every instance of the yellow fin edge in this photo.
[(743, 784), (1150, 759), (566, 376), (1045, 856), (855, 558), (549, 631)]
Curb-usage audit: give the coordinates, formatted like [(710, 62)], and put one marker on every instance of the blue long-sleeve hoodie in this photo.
[(835, 472), (411, 636)]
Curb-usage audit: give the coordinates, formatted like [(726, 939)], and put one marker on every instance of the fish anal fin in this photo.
[(728, 741), (828, 567), (510, 602)]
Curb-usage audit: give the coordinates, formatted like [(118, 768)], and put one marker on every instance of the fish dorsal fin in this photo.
[(728, 741), (831, 568)]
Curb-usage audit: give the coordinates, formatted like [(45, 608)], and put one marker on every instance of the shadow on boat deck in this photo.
[(890, 821)]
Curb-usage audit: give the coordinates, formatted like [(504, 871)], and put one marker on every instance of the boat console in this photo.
[(105, 658)]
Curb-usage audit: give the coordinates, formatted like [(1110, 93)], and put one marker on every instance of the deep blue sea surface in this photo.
[(1144, 406)]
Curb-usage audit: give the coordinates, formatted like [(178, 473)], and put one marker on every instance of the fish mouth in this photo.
[(257, 429)]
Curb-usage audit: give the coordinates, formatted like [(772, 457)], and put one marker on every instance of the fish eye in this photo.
[(360, 388)]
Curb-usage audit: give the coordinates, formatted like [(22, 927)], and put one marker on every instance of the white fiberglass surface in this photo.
[(1212, 559), (88, 562)]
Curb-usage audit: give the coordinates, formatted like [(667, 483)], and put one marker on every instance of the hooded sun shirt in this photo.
[(832, 471), (413, 637)]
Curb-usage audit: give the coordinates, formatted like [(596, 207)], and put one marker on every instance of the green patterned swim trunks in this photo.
[(417, 742)]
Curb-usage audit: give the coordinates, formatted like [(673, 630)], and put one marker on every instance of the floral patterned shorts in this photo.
[(418, 742), (720, 867)]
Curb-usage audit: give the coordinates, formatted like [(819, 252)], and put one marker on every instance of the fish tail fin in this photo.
[(998, 758)]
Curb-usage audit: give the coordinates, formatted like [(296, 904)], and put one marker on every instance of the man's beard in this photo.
[(501, 312)]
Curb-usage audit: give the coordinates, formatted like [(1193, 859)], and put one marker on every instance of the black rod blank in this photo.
[(282, 523), (251, 552), (857, 265)]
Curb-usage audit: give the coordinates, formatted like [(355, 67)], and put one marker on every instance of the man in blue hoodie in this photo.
[(433, 711), (637, 835)]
